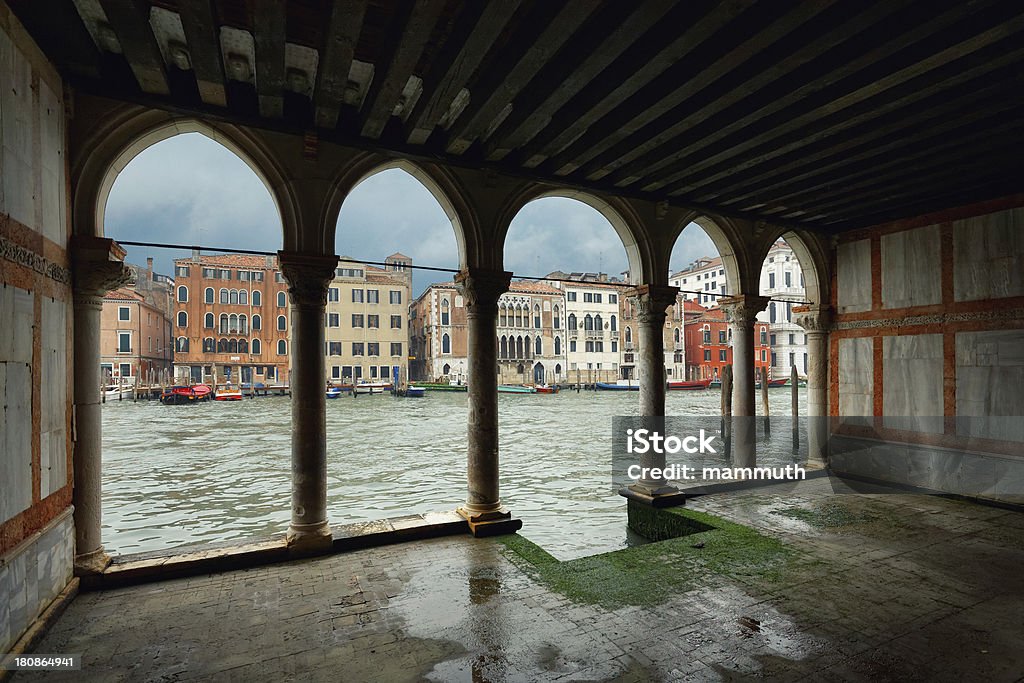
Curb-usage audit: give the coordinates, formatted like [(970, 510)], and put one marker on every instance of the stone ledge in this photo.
[(42, 624)]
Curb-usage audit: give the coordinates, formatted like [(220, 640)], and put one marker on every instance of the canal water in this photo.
[(174, 475)]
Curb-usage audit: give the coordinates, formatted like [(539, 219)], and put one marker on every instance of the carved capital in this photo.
[(97, 267), (651, 303), (308, 276), (742, 309), (813, 318), (481, 290)]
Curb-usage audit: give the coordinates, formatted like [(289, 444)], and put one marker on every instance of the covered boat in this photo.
[(181, 395), (621, 385), (515, 389)]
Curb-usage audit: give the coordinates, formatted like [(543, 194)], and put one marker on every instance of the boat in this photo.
[(410, 392), (774, 383), (228, 393), (716, 384), (621, 385), (688, 385), (441, 386), (515, 389), (546, 389), (182, 395), (334, 392), (116, 391), (371, 387)]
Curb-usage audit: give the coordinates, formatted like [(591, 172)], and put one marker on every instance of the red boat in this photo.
[(773, 383), (181, 395), (546, 389), (688, 385)]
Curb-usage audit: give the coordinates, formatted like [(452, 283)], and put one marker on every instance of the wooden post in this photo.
[(796, 409), (727, 403), (764, 401)]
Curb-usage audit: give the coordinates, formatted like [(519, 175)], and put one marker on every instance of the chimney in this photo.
[(195, 255), (270, 261)]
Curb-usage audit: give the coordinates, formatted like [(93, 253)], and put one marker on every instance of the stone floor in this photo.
[(891, 587)]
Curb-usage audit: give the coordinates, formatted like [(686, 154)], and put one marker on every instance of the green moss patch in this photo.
[(827, 515), (650, 574)]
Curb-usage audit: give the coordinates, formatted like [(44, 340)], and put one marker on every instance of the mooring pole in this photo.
[(764, 401)]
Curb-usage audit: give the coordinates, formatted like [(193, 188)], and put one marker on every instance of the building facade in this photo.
[(438, 337), (136, 344), (367, 321), (592, 322), (702, 282), (709, 345), (231, 320), (782, 278)]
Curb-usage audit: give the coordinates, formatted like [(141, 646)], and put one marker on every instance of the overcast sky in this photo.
[(190, 190)]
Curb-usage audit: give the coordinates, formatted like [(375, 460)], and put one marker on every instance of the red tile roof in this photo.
[(231, 260)]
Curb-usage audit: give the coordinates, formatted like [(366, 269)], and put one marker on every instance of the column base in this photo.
[(490, 522), (661, 497), (309, 539), (91, 564)]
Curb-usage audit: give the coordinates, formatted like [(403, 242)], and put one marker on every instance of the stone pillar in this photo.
[(816, 321), (308, 277), (483, 511), (741, 312), (98, 267), (651, 302)]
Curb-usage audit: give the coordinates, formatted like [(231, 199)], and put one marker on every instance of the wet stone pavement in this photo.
[(887, 587)]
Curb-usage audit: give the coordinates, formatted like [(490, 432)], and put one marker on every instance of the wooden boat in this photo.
[(410, 392), (228, 393), (688, 385), (515, 389), (440, 386), (617, 386), (547, 389), (182, 395), (334, 392), (371, 387)]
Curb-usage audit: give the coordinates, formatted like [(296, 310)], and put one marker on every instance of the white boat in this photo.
[(371, 387), (116, 391)]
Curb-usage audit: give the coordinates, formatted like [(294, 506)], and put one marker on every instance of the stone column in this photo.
[(651, 304), (741, 311), (98, 267), (816, 321), (483, 511), (308, 277)]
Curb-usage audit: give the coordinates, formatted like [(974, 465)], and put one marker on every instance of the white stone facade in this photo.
[(782, 277)]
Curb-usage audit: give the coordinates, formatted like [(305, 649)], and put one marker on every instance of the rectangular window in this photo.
[(723, 355), (373, 349), (124, 342), (614, 298), (335, 372), (384, 370), (373, 321), (615, 346), (126, 369), (124, 313), (707, 354), (396, 348), (357, 320), (346, 372), (373, 372), (588, 297), (357, 296), (792, 338), (333, 293), (357, 348), (597, 298), (243, 275), (396, 322), (334, 348), (771, 280), (570, 296), (599, 346), (396, 296), (775, 360), (789, 279), (372, 296), (278, 277), (208, 273), (721, 337), (333, 320), (181, 271)]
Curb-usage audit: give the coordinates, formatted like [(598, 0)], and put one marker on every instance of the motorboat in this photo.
[(371, 387), (515, 389), (621, 385), (183, 395), (228, 393), (688, 385), (546, 389)]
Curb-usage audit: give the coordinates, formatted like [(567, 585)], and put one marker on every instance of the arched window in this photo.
[(208, 295), (536, 316), (502, 316), (558, 347), (558, 369), (519, 347), (223, 323), (243, 324), (257, 298), (527, 347), (232, 346), (233, 296), (209, 345), (629, 336), (243, 297), (183, 294), (519, 316), (257, 322), (598, 323), (676, 335), (764, 336), (223, 296), (208, 321), (181, 345), (556, 321), (243, 346), (504, 347), (233, 323), (446, 369), (182, 319), (446, 344), (588, 322), (282, 300), (771, 312), (282, 347), (614, 324), (538, 348), (572, 321), (257, 346), (444, 312), (282, 323), (222, 346)]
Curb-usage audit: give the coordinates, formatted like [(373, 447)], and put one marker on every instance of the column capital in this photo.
[(308, 276), (813, 318), (742, 309), (482, 288), (97, 266), (652, 302)]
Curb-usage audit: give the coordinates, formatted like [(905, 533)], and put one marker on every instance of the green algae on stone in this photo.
[(650, 574), (828, 515)]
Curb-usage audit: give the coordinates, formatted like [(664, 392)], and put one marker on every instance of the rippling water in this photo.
[(216, 471)]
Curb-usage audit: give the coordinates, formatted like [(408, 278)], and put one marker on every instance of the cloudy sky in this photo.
[(190, 190)]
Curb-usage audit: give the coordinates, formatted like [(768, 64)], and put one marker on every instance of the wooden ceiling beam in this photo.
[(454, 69), (270, 19), (202, 35), (491, 95), (71, 48), (344, 24), (130, 22), (386, 89)]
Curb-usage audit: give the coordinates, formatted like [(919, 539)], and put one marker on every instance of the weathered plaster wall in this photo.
[(36, 532), (940, 330)]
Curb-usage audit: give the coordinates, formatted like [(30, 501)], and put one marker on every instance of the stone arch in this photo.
[(812, 256), (113, 138), (640, 249), (438, 181)]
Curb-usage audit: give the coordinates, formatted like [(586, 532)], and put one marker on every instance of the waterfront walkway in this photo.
[(861, 588)]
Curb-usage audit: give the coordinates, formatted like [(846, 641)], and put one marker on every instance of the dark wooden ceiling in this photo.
[(832, 114)]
